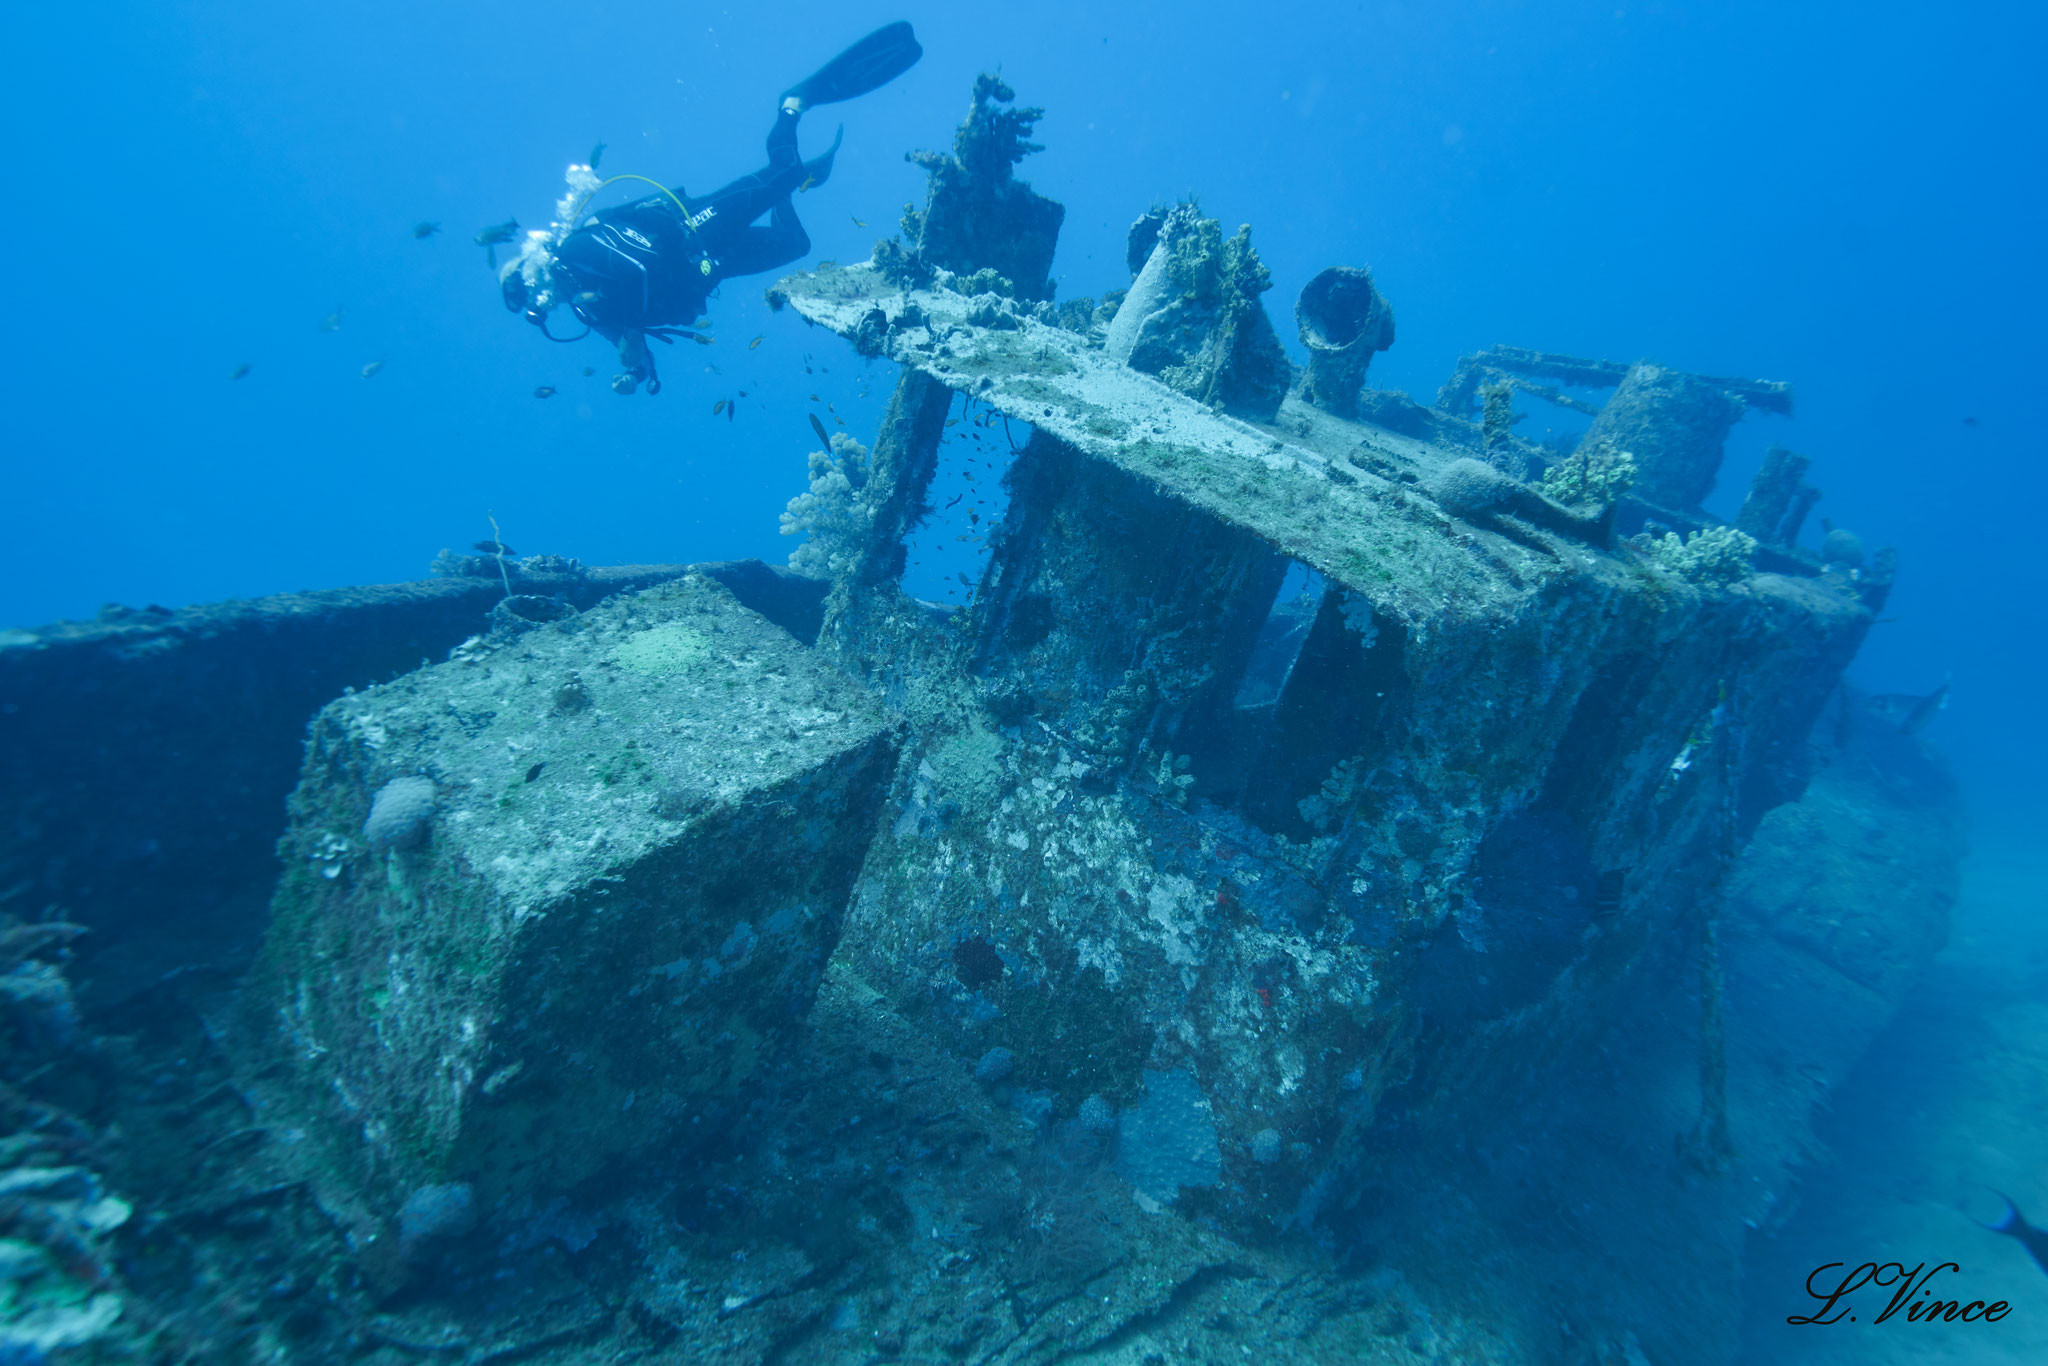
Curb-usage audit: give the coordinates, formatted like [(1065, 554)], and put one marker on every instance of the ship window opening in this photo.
[(1281, 637), (1553, 418), (946, 553), (1347, 676)]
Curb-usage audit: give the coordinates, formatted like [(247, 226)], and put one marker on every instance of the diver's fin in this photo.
[(819, 169), (869, 64)]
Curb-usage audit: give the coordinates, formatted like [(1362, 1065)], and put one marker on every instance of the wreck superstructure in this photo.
[(1510, 757), (1333, 831)]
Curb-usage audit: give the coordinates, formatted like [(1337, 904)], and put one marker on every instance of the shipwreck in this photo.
[(1337, 874)]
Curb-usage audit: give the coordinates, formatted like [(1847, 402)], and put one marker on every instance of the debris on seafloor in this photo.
[(1317, 806)]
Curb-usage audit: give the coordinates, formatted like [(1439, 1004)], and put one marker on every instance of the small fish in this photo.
[(743, 393), (2014, 1225), (755, 342), (494, 237), (544, 391), (596, 155), (332, 322), (816, 399), (860, 222), (732, 411), (589, 370), (493, 548), (840, 420), (819, 428), (965, 582), (703, 340), (370, 370), (240, 371), (1969, 422), (952, 422), (720, 406), (421, 231), (588, 296)]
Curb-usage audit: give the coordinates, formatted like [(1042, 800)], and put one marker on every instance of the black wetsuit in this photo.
[(641, 269), (640, 266)]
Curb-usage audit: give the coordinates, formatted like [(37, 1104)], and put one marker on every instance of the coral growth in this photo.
[(1712, 557), (1194, 319), (832, 515), (977, 214), (1585, 478)]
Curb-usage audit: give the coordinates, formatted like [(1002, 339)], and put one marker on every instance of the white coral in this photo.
[(1712, 557), (833, 515)]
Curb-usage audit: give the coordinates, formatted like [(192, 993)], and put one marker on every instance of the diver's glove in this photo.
[(639, 365)]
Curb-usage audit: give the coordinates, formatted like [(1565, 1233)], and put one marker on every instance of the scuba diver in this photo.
[(645, 269)]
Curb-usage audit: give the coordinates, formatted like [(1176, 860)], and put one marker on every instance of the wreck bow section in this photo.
[(1245, 863)]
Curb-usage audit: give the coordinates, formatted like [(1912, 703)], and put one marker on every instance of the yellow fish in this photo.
[(755, 342), (718, 407), (859, 223)]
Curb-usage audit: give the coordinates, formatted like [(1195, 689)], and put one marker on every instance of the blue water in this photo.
[(1847, 196)]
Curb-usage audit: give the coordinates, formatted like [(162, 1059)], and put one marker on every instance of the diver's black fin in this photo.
[(819, 168), (869, 64)]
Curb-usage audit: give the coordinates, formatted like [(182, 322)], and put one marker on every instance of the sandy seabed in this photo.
[(1949, 1106)]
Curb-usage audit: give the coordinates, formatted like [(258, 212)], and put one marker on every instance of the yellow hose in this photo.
[(681, 208)]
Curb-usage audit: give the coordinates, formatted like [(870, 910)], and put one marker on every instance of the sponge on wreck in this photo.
[(1477, 492), (400, 813)]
